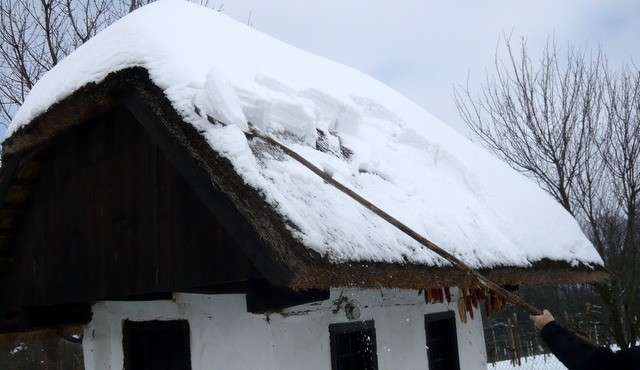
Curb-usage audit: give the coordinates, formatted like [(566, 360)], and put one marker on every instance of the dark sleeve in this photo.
[(574, 353), (628, 358)]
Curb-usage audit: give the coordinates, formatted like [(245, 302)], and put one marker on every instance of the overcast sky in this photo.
[(424, 48)]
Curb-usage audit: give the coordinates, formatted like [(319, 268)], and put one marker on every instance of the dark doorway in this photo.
[(156, 345), (442, 341)]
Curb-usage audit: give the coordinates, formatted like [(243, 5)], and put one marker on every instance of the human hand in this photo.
[(539, 321)]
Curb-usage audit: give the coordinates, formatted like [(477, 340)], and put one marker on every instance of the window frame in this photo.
[(366, 327)]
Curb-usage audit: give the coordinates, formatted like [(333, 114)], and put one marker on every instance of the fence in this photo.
[(513, 343), (539, 362)]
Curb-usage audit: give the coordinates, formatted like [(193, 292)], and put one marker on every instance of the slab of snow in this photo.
[(374, 141)]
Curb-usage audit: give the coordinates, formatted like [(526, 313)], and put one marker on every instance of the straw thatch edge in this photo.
[(387, 276)]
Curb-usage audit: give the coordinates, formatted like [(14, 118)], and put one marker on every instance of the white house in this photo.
[(135, 203)]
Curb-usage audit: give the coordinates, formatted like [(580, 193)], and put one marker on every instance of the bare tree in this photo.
[(36, 34), (619, 232), (573, 126)]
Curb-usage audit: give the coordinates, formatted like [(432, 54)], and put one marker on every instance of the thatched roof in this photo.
[(306, 267)]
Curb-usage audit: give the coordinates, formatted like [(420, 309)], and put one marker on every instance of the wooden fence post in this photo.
[(496, 348), (512, 345), (518, 339)]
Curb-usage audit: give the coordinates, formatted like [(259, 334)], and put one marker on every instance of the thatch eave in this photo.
[(409, 276)]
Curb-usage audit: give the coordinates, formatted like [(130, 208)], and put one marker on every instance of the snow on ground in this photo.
[(374, 141), (540, 362)]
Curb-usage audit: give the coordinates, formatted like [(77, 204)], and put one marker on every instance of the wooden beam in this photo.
[(231, 287), (154, 296), (46, 317), (275, 298)]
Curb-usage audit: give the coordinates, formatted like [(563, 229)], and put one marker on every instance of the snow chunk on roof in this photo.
[(363, 133)]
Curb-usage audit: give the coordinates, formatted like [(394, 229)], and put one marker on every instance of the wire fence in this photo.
[(538, 362)]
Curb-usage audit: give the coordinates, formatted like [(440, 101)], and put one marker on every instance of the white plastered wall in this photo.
[(225, 336)]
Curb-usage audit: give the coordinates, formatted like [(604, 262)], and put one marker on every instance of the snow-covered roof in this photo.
[(366, 135)]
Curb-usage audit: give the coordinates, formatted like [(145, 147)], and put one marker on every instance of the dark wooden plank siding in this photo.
[(112, 217)]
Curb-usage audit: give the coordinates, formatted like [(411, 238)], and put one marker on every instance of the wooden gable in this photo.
[(110, 216)]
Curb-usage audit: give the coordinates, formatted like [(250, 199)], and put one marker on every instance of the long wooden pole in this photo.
[(482, 280), (453, 260)]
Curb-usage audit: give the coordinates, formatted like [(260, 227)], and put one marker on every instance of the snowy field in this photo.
[(542, 362)]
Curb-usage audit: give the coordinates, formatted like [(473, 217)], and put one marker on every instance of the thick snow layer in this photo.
[(373, 140)]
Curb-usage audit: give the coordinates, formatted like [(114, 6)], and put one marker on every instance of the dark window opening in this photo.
[(442, 341), (353, 346), (157, 345)]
